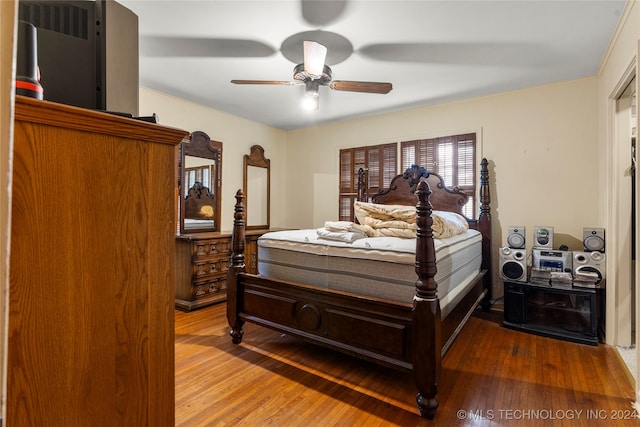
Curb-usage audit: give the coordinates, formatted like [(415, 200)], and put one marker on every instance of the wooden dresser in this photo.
[(202, 262), (92, 267)]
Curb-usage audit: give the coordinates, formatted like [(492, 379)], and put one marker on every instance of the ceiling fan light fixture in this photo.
[(314, 57), (310, 102), (311, 98)]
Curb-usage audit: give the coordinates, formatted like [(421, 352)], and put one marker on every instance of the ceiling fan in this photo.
[(313, 73)]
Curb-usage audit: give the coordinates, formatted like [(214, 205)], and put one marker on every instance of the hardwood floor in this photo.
[(491, 376)]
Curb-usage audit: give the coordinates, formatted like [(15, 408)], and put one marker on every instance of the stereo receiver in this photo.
[(553, 260)]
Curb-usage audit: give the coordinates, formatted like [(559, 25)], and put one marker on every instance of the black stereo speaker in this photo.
[(591, 263), (593, 239), (513, 264), (516, 237), (543, 237)]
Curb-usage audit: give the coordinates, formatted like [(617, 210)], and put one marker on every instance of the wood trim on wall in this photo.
[(8, 17), (618, 321), (637, 236)]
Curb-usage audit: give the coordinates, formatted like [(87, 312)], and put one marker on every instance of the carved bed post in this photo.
[(426, 309), (237, 266), (362, 191), (484, 226)]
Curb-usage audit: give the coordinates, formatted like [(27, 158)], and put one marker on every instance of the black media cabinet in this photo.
[(568, 313)]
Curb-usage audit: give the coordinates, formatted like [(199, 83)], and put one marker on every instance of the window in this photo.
[(197, 174), (452, 157), (380, 163)]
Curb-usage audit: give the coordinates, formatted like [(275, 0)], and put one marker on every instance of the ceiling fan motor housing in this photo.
[(300, 74)]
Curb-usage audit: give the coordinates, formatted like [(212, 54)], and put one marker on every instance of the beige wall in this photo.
[(541, 143), (7, 20), (536, 140), (237, 136)]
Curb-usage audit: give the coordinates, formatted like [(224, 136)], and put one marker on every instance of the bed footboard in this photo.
[(375, 330)]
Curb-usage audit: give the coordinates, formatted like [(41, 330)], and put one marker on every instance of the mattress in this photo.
[(382, 267)]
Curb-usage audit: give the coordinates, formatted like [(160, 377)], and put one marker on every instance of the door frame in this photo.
[(618, 269)]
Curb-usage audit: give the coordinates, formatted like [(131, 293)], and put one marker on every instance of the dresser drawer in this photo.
[(210, 266), (209, 248), (210, 287)]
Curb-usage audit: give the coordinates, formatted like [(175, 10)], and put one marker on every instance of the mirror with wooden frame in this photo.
[(200, 184), (257, 183)]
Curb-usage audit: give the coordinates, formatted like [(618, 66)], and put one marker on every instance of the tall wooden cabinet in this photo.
[(92, 268)]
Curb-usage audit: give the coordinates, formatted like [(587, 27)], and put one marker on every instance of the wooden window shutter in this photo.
[(453, 157), (380, 165), (389, 164), (345, 172)]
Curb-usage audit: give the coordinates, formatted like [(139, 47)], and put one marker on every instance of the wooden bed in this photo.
[(400, 335)]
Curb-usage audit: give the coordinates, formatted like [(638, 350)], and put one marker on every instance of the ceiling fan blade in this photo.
[(368, 87), (199, 47), (321, 13), (466, 53), (314, 57), (265, 82)]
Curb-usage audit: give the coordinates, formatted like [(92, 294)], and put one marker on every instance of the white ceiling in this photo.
[(431, 51)]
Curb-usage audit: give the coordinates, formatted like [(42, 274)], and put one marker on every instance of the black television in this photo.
[(87, 52)]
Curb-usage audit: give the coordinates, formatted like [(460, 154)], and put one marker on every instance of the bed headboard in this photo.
[(199, 203), (402, 189)]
